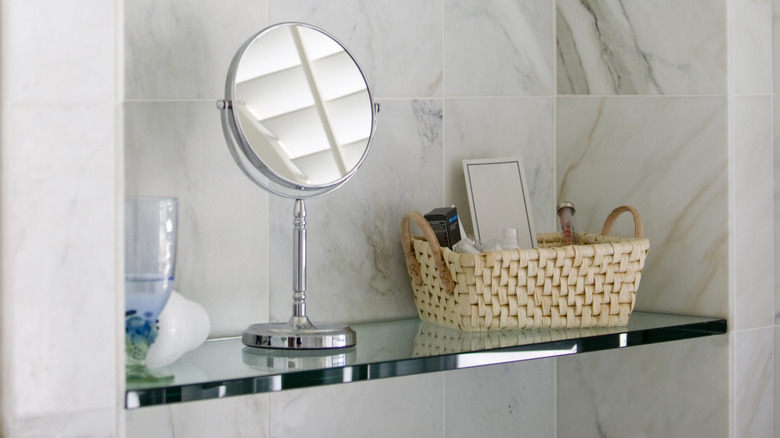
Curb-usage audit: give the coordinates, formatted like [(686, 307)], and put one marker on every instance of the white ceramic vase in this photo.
[(183, 326)]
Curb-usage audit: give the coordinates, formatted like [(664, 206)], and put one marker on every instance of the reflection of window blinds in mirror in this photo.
[(283, 111), (280, 93), (299, 142), (319, 166), (316, 46), (276, 156), (274, 52)]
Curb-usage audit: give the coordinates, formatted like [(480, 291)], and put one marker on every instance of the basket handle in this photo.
[(638, 228), (411, 261)]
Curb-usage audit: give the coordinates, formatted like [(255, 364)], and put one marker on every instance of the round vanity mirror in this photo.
[(298, 119), (298, 114)]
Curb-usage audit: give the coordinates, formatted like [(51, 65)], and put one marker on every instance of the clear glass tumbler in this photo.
[(150, 263)]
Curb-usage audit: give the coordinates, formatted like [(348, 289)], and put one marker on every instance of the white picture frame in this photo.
[(498, 198)]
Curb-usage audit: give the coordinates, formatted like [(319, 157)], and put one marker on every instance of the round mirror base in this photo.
[(284, 336)]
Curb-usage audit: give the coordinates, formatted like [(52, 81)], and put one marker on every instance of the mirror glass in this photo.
[(300, 110)]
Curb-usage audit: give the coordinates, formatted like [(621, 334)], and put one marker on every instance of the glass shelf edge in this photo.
[(257, 384)]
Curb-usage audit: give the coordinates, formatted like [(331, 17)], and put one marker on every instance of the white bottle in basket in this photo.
[(510, 239)]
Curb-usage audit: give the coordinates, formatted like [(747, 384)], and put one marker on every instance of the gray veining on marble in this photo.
[(174, 50), (621, 150), (498, 48), (635, 47), (676, 389)]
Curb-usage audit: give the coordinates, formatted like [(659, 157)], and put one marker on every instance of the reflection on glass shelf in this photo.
[(225, 367), (492, 358)]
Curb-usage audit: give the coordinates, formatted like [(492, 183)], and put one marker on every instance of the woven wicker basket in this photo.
[(553, 286)]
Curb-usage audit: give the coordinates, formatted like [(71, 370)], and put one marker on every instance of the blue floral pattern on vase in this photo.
[(139, 336)]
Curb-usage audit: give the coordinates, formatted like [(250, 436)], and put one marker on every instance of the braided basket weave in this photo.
[(553, 286)]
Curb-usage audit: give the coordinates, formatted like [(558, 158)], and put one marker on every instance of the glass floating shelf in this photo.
[(225, 367)]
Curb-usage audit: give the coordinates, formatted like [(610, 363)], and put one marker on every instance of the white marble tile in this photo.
[(59, 288), (229, 417), (181, 50), (776, 169), (177, 149), (398, 43), (493, 128), (671, 389), (636, 47), (753, 302), (751, 41), (356, 270), (637, 151), (52, 54), (405, 406), (776, 376), (753, 381), (100, 423), (502, 400), (776, 44), (498, 48)]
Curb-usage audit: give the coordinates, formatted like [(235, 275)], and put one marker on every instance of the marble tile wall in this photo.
[(753, 299), (59, 191), (753, 294), (659, 390), (501, 400), (776, 169), (706, 205), (613, 47), (776, 146), (752, 386)]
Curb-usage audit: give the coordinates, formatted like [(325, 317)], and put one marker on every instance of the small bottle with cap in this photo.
[(566, 217), (510, 239)]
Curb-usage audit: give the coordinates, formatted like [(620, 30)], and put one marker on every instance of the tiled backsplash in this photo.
[(647, 117)]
